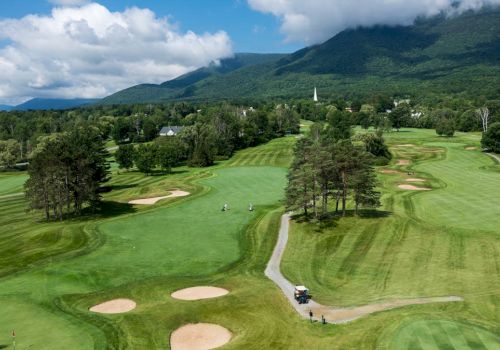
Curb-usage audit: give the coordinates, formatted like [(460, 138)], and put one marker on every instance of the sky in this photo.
[(92, 48)]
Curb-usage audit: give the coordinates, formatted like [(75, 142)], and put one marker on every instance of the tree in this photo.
[(146, 158), (491, 138), (150, 130), (299, 193), (66, 172), (169, 154), (364, 182), (200, 140), (483, 114), (445, 127), (400, 116), (9, 153), (375, 145), (124, 156), (122, 130)]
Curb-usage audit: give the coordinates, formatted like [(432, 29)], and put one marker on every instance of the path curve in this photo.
[(331, 314), (494, 156)]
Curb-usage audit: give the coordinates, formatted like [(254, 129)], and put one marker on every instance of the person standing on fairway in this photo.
[(250, 207)]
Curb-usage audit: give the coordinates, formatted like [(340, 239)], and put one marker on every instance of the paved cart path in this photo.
[(494, 156), (331, 314)]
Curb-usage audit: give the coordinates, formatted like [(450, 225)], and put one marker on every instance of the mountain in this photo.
[(51, 103), (184, 86), (5, 108), (440, 55)]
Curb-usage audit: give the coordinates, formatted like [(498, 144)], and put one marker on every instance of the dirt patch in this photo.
[(415, 180), (154, 200), (470, 148), (403, 162), (413, 188), (198, 293), (199, 336), (343, 315), (390, 171), (115, 306), (405, 145)]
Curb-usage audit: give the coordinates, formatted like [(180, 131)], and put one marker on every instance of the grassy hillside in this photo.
[(458, 55), (185, 85)]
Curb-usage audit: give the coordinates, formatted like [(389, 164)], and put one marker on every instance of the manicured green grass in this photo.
[(11, 183), (50, 273), (433, 243)]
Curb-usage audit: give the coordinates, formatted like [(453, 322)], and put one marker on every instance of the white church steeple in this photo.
[(315, 98)]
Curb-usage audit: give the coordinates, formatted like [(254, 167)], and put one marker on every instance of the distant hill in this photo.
[(49, 103), (458, 55), (5, 107), (184, 86)]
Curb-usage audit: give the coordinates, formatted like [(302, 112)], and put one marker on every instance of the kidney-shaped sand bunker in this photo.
[(115, 306), (199, 336), (198, 293)]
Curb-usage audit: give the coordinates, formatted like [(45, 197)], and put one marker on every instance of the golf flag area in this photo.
[(14, 339)]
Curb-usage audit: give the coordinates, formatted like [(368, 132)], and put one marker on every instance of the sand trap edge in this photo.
[(187, 337), (413, 188), (199, 293), (114, 306)]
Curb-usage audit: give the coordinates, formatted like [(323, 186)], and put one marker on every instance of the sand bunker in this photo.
[(470, 148), (197, 293), (200, 336), (153, 200), (415, 180), (115, 306), (403, 162), (413, 188)]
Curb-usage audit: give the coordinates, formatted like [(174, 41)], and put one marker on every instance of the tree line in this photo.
[(331, 165), (213, 134), (66, 172)]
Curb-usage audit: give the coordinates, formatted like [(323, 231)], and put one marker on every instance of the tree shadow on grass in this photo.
[(330, 220), (3, 346), (107, 189), (163, 173), (110, 209)]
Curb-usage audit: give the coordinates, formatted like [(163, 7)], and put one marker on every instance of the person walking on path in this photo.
[(311, 315)]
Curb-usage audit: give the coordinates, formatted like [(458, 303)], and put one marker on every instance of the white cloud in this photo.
[(88, 51), (314, 21), (68, 2)]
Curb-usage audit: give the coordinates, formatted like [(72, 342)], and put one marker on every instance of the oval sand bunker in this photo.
[(197, 293), (153, 200), (115, 306), (199, 336), (413, 188)]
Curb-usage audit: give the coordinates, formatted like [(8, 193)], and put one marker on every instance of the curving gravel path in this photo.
[(494, 156), (331, 314)]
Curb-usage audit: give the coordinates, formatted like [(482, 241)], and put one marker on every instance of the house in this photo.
[(170, 130)]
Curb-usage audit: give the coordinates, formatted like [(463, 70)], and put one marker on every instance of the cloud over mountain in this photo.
[(89, 51), (314, 21)]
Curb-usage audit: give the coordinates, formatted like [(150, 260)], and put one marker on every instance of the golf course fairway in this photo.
[(418, 244)]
